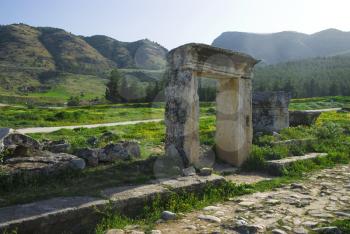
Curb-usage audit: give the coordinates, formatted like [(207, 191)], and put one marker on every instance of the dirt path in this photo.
[(295, 208), (53, 129)]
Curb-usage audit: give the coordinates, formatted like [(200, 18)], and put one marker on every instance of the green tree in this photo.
[(112, 89)]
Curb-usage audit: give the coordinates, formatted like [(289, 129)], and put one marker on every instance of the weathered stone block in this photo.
[(306, 118), (270, 111)]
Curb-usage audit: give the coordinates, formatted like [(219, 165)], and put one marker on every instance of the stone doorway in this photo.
[(234, 129)]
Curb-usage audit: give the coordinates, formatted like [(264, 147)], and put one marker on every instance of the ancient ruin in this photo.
[(270, 111), (234, 127)]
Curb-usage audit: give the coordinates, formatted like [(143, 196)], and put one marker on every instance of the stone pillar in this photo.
[(270, 111), (182, 116), (233, 120)]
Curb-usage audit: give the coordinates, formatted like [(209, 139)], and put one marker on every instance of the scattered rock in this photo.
[(156, 232), (310, 224), (115, 231), (113, 152), (246, 203), (327, 230), (297, 186), (190, 171), (273, 201), (108, 136), (4, 132), (93, 141), (210, 218), (168, 215), (225, 169), (249, 229), (13, 140), (205, 171), (61, 146), (342, 214), (89, 155), (125, 150), (300, 230), (206, 157), (278, 231), (136, 232), (211, 208), (133, 149)]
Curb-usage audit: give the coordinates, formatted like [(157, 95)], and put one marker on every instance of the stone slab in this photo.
[(52, 216), (191, 183), (81, 214), (275, 167)]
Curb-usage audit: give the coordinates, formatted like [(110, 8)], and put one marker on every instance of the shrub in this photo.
[(328, 130), (73, 101), (256, 160)]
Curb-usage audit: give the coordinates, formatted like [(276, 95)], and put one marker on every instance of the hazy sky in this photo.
[(176, 22)]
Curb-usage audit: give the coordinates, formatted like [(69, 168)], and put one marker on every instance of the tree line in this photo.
[(315, 77)]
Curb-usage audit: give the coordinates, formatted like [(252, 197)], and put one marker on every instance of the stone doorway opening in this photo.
[(234, 130)]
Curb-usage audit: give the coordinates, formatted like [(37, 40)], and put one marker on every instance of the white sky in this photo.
[(176, 22)]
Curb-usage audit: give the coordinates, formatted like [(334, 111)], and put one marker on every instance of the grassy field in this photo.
[(319, 103), (19, 117), (330, 138)]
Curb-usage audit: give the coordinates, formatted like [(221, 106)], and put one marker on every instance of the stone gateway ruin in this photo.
[(234, 128)]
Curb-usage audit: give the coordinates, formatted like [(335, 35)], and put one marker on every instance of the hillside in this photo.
[(142, 54), (20, 45), (41, 59), (286, 46)]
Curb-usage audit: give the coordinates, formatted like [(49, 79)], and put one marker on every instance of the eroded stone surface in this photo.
[(270, 111), (294, 208), (43, 163), (305, 118), (234, 115)]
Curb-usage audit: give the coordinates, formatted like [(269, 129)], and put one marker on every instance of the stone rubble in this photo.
[(295, 208)]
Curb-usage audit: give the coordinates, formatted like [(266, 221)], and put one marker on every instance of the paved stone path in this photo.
[(294, 208)]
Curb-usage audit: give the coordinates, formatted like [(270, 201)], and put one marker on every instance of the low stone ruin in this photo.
[(125, 150), (306, 118), (270, 111), (23, 155)]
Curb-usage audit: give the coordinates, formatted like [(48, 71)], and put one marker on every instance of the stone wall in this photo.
[(270, 111)]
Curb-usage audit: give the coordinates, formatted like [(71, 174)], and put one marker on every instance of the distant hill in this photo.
[(140, 54), (53, 48), (286, 46), (31, 57)]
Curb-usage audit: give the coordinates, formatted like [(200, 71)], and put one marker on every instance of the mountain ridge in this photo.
[(285, 46), (57, 49)]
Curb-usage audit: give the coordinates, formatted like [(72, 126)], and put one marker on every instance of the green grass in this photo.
[(19, 117), (67, 85), (319, 103), (343, 225)]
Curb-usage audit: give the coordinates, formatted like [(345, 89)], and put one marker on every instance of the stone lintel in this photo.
[(211, 62)]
